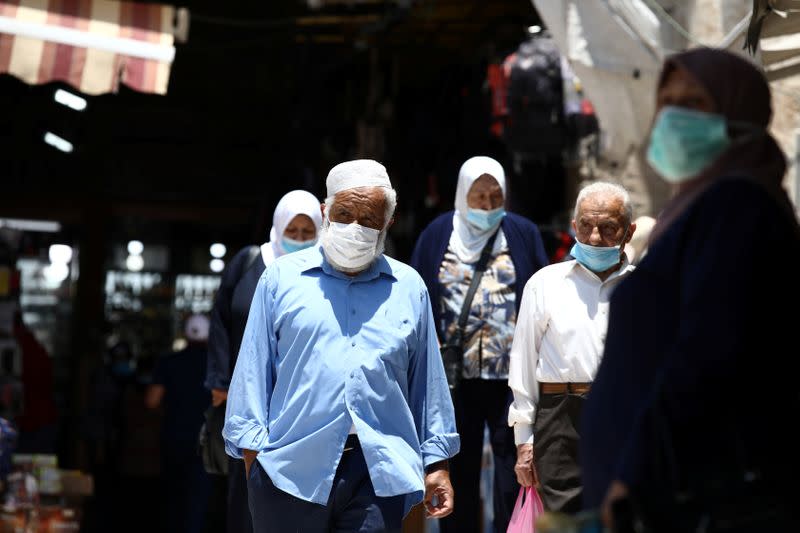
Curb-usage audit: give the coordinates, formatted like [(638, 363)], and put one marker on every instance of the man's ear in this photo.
[(631, 231), (389, 225), (322, 210)]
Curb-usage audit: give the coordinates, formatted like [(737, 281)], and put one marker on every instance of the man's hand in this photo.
[(249, 457), (616, 491), (526, 466), (437, 483), (218, 396)]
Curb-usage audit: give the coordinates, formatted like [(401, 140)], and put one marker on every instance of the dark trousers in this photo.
[(479, 403), (239, 520), (556, 448), (352, 505), (187, 488), (216, 512)]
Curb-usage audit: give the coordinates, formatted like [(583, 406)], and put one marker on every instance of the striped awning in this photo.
[(93, 45)]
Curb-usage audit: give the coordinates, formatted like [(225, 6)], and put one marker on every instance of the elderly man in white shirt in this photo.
[(558, 344)]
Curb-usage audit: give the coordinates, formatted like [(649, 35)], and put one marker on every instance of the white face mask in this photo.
[(350, 247)]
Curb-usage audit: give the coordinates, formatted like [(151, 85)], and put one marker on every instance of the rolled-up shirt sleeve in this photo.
[(524, 359), (247, 413), (429, 394)]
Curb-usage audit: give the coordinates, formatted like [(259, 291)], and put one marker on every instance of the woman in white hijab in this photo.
[(295, 226), (445, 256), (295, 223), (480, 195)]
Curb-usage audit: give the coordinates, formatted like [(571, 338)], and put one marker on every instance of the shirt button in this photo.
[(353, 374), (353, 343)]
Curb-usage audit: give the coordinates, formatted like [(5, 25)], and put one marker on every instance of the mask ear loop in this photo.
[(622, 242), (624, 236)]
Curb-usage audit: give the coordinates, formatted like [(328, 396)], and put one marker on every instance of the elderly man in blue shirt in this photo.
[(339, 403)]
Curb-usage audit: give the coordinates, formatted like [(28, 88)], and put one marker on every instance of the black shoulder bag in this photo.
[(453, 350), (210, 444)]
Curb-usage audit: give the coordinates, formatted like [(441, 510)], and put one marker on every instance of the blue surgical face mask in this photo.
[(291, 245), (684, 142), (598, 258), (485, 220)]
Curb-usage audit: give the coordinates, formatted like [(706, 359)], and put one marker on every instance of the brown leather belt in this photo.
[(564, 388)]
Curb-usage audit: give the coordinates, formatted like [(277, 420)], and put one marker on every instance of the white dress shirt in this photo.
[(560, 333)]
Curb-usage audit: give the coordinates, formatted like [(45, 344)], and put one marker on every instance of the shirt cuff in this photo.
[(439, 448), (523, 434), (241, 434)]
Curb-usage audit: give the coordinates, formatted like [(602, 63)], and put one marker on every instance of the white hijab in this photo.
[(467, 241), (293, 203)]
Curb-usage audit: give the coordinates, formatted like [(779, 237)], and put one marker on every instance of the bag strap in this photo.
[(480, 267)]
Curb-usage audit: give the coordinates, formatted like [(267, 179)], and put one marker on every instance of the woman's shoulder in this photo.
[(521, 229), (442, 219), (245, 252), (736, 184), (519, 221), (737, 194), (245, 256)]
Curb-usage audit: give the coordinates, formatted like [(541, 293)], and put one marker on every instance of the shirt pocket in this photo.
[(392, 342)]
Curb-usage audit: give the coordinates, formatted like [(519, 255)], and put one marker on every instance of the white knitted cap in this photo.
[(357, 173)]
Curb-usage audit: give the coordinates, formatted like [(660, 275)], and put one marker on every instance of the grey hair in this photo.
[(391, 204), (611, 189)]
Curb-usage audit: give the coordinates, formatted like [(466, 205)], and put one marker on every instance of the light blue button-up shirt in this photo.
[(323, 351)]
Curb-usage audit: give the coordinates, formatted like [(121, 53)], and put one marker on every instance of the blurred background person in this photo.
[(178, 386), (679, 426), (445, 255), (295, 224), (137, 468), (103, 424), (37, 424)]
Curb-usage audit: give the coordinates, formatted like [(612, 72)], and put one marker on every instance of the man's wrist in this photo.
[(249, 454), (444, 464), (523, 433)]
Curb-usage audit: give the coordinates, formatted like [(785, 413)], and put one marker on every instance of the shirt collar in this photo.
[(623, 270), (379, 266)]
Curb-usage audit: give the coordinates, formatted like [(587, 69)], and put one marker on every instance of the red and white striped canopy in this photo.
[(92, 45)]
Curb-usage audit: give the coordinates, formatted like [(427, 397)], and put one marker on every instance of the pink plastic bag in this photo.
[(526, 511)]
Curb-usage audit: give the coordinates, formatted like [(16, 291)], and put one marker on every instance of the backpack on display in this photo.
[(535, 98)]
